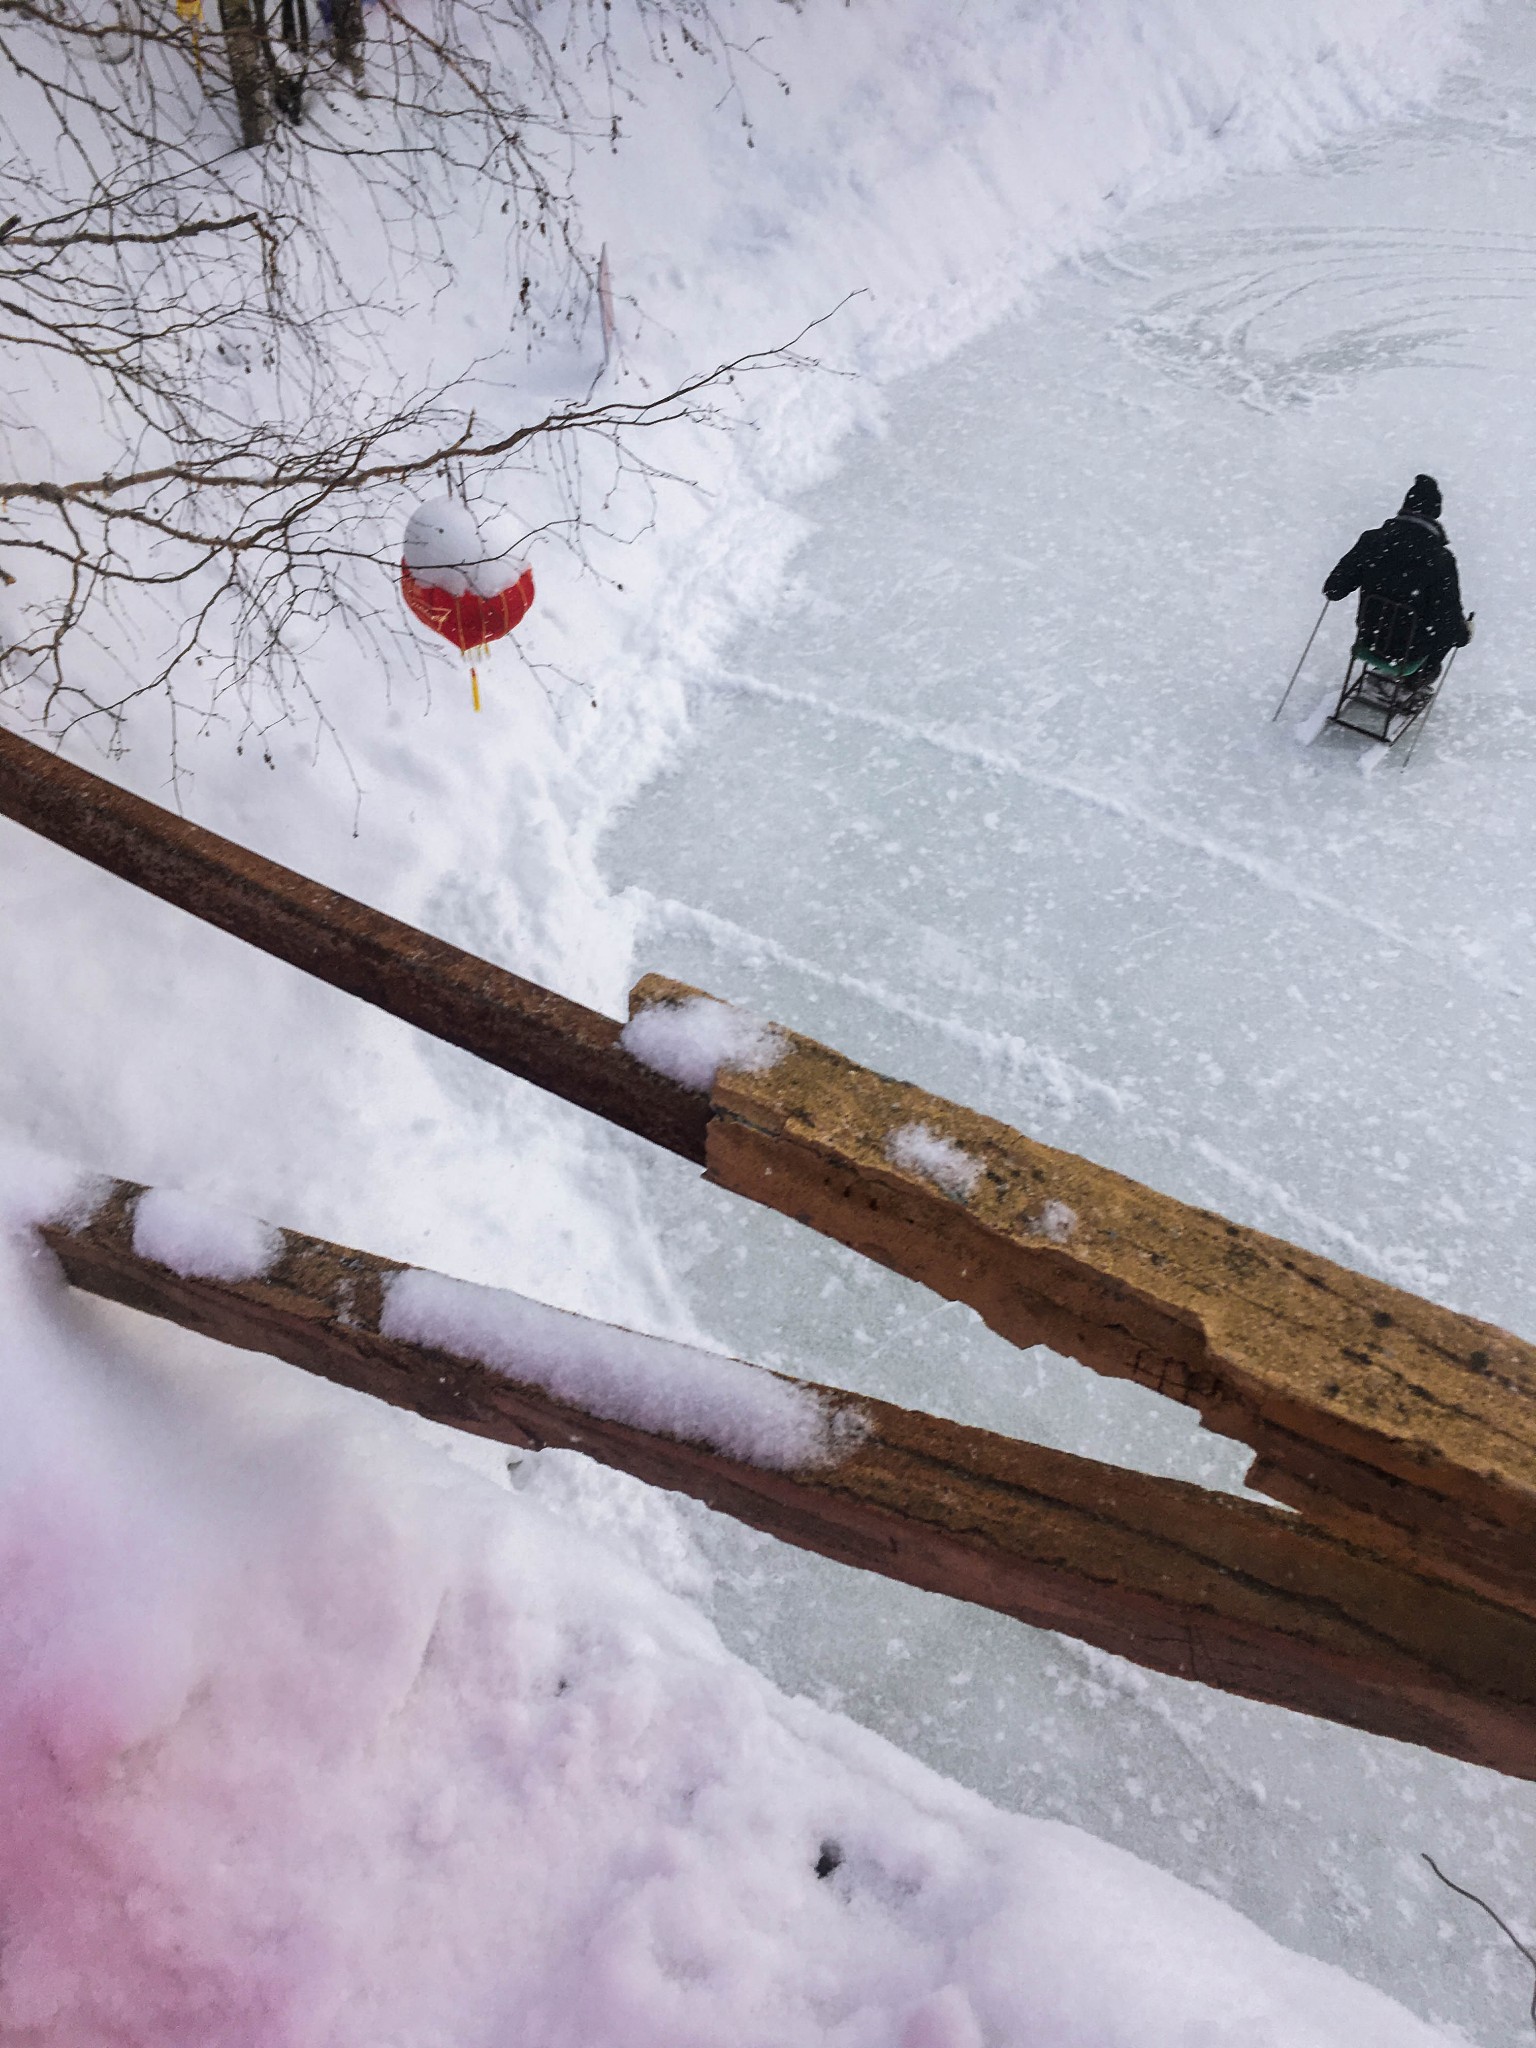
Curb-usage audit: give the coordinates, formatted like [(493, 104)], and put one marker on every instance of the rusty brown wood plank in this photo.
[(498, 1016), (1374, 1412), (1386, 1418), (1204, 1586)]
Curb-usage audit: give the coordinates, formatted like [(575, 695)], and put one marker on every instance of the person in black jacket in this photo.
[(1407, 562)]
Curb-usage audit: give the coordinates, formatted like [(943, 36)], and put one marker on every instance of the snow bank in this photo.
[(311, 1739), (202, 1240), (691, 1041), (700, 1396), (36, 1187), (939, 160)]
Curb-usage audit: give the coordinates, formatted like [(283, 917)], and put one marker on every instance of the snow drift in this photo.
[(310, 1736)]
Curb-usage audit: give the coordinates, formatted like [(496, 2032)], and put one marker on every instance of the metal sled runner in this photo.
[(1385, 690)]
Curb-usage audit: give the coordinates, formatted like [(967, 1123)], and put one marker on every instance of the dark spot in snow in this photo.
[(829, 1859), (562, 1685)]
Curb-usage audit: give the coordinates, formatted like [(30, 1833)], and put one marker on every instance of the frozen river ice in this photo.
[(993, 802)]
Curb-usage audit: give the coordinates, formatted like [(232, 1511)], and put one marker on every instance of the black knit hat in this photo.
[(1423, 497)]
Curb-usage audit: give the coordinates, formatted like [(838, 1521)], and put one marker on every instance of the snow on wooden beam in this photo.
[(510, 1023), (1395, 1422), (1205, 1586)]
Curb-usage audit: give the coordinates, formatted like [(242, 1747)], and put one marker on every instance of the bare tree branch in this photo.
[(1502, 1925), (192, 317)]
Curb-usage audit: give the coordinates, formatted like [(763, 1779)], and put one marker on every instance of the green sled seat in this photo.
[(1382, 665)]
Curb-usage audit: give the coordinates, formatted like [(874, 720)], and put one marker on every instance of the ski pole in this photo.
[(1439, 686), (1296, 671)]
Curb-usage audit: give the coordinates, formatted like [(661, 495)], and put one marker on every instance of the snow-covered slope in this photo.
[(284, 1729)]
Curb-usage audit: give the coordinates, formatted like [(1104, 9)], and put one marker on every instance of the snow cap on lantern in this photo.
[(460, 573)]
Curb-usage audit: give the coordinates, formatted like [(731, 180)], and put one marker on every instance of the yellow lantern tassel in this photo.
[(192, 11), (474, 686)]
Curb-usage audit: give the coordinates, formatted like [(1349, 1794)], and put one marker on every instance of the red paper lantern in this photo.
[(468, 620), (460, 575)]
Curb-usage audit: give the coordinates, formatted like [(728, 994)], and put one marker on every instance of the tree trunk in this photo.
[(248, 70), (347, 34)]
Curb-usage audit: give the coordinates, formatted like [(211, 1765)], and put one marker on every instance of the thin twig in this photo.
[(1502, 1925)]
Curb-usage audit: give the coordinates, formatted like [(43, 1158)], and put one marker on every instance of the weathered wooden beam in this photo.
[(1204, 1586), (1392, 1420), (1395, 1423), (508, 1022)]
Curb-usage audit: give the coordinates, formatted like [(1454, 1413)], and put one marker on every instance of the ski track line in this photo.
[(1064, 1081), (1267, 873), (1402, 1267), (1065, 1084)]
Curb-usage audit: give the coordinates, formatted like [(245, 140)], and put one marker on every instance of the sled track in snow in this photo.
[(1255, 867), (1060, 1080)]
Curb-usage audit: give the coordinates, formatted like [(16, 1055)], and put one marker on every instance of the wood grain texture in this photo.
[(1377, 1413), (498, 1016), (1204, 1586)]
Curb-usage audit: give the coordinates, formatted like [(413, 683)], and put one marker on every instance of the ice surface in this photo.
[(450, 547), (673, 1388), (692, 1040), (939, 1159), (202, 1240)]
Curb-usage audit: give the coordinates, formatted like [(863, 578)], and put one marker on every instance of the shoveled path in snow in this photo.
[(994, 803)]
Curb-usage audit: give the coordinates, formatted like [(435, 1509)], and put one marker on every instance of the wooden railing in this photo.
[(497, 1016), (1401, 1598)]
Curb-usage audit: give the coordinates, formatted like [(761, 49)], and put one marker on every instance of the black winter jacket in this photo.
[(1407, 561)]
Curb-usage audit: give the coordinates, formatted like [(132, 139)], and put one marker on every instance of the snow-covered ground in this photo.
[(313, 1734)]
